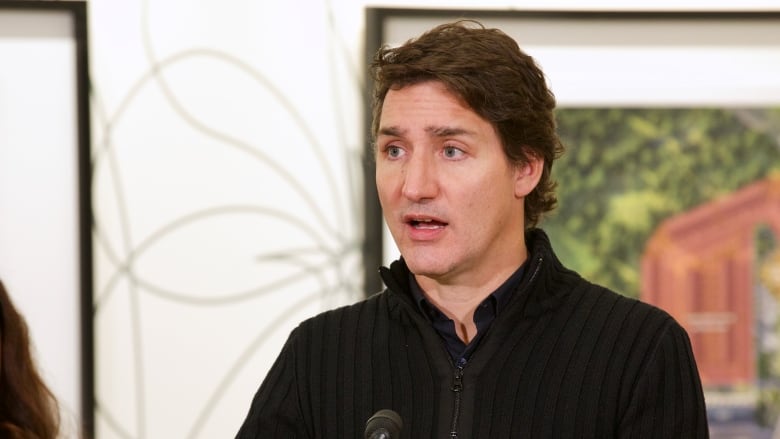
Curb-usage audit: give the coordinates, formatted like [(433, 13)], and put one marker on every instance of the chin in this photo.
[(425, 267)]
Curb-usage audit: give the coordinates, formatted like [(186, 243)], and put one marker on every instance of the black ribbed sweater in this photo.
[(565, 359)]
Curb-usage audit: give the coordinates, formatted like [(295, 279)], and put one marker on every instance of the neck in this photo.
[(459, 305), (460, 301)]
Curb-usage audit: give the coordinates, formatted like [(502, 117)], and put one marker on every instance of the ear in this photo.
[(527, 175)]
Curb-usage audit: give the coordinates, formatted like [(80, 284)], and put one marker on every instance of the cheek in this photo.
[(491, 200), (384, 192), (380, 178), (387, 180)]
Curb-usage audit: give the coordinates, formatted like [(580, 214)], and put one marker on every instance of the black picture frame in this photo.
[(77, 10)]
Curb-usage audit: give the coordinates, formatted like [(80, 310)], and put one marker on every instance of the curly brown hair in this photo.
[(28, 409), (488, 71)]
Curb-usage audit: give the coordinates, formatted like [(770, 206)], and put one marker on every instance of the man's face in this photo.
[(452, 201)]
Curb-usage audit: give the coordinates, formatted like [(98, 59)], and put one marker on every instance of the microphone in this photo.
[(385, 424)]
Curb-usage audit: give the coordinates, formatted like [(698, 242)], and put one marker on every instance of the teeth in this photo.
[(426, 223)]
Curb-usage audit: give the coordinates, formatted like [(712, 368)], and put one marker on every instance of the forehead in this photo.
[(430, 109), (423, 90), (424, 103)]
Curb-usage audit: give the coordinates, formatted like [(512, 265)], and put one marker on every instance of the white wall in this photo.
[(227, 190)]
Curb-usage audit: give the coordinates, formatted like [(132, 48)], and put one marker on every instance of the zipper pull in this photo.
[(457, 382)]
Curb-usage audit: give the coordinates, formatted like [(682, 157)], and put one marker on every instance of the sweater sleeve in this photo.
[(275, 409), (667, 401)]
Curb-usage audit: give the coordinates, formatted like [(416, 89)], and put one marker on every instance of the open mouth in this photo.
[(426, 223)]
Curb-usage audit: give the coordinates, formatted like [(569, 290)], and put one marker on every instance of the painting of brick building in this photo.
[(701, 266), (680, 207)]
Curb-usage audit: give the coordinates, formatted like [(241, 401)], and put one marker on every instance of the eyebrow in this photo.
[(437, 131), (447, 131), (393, 131)]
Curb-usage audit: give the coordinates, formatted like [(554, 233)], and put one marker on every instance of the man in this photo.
[(481, 331)]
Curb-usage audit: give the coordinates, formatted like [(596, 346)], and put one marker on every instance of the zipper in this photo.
[(457, 379), (457, 382), (457, 389), (539, 260)]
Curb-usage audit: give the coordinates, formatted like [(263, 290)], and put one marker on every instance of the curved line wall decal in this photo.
[(226, 211)]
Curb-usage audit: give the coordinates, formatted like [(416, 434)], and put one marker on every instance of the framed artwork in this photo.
[(45, 241), (669, 190)]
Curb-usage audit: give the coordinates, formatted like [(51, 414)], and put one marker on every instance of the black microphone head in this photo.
[(385, 424)]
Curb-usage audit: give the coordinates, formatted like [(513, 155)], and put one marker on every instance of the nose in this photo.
[(420, 178)]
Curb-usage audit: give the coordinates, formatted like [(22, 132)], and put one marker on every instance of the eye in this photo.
[(393, 151), (452, 152)]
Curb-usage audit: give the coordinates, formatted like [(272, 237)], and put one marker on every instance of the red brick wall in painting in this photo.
[(699, 266)]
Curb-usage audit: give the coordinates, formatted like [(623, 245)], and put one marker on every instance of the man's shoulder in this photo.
[(367, 319), (348, 311), (633, 312)]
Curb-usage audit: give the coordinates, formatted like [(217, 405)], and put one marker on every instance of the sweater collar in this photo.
[(540, 279)]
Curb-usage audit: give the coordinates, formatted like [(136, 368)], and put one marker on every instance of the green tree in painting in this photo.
[(767, 325), (626, 170)]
